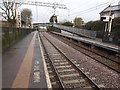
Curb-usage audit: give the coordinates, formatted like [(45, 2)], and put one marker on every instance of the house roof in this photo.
[(111, 8)]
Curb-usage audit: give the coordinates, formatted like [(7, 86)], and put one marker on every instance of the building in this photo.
[(114, 9), (4, 24)]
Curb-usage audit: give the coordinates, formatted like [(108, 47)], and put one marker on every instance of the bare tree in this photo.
[(9, 11)]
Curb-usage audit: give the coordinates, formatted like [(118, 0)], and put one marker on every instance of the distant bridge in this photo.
[(38, 25)]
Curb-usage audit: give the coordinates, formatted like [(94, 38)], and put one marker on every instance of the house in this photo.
[(114, 9)]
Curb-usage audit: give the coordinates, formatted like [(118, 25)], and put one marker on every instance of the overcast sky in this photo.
[(86, 9)]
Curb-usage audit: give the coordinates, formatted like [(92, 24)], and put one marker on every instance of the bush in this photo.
[(116, 25), (100, 25), (95, 25), (67, 24)]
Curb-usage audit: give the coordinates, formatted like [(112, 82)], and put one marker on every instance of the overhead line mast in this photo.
[(45, 4), (53, 5)]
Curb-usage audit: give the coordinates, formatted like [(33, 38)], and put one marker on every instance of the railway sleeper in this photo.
[(78, 85), (61, 63), (68, 66), (69, 75), (59, 60), (66, 70)]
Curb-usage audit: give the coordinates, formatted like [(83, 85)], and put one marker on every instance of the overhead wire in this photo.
[(92, 8), (80, 5)]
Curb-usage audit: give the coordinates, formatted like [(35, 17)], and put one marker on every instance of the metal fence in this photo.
[(114, 37), (12, 35), (81, 32)]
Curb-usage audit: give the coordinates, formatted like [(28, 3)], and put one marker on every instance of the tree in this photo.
[(100, 25), (9, 11), (26, 17), (78, 22), (67, 23), (89, 25), (116, 25), (53, 19), (95, 25)]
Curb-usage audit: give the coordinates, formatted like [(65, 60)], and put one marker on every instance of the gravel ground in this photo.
[(99, 73)]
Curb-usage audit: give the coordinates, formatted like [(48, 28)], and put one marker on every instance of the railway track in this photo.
[(63, 72), (113, 64)]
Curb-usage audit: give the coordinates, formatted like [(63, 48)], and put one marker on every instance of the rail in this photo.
[(111, 63), (74, 65)]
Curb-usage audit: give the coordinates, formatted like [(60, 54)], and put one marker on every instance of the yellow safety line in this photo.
[(22, 78)]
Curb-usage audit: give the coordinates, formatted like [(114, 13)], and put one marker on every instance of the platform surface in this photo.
[(23, 65), (96, 42)]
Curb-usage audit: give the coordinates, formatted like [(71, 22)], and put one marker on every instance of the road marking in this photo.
[(36, 68), (22, 78), (36, 76), (37, 62), (45, 66)]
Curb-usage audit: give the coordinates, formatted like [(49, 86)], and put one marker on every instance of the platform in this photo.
[(97, 43), (24, 65)]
